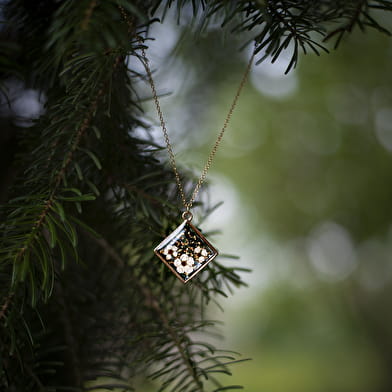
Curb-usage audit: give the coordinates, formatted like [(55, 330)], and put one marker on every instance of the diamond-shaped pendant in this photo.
[(186, 251)]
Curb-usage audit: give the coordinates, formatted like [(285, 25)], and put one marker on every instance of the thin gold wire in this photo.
[(172, 159), (211, 156)]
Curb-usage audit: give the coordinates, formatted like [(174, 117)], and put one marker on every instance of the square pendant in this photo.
[(186, 251)]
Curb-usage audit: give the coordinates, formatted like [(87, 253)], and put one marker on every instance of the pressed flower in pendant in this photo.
[(186, 251), (170, 252), (184, 265)]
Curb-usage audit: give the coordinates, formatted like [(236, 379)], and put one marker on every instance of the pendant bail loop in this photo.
[(187, 215)]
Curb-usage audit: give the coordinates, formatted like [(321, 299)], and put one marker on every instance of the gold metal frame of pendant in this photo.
[(186, 251)]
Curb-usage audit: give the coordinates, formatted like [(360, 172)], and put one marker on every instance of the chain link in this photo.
[(188, 204)]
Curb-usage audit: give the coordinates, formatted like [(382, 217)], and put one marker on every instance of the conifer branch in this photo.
[(152, 302), (353, 15), (48, 203), (165, 322)]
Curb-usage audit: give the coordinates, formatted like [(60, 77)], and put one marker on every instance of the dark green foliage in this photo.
[(281, 25), (83, 302)]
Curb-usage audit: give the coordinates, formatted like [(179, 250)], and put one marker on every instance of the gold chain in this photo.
[(172, 159), (188, 205)]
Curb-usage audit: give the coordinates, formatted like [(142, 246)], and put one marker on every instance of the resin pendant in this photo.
[(186, 251)]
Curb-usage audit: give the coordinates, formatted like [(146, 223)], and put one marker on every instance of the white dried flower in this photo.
[(180, 269), (188, 269)]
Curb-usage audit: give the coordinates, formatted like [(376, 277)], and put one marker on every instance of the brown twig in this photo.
[(88, 14), (5, 306), (143, 194)]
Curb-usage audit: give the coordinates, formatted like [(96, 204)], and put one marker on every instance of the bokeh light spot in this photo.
[(331, 252)]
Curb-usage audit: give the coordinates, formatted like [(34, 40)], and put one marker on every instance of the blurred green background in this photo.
[(305, 174)]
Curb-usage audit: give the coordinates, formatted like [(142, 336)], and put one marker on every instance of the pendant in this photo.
[(186, 251)]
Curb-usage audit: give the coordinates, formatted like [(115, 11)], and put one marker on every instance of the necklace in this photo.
[(186, 251)]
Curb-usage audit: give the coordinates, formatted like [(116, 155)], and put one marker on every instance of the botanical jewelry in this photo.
[(186, 251)]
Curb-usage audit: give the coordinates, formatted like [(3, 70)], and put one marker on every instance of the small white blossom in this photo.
[(201, 259), (204, 252), (167, 249), (188, 269), (184, 264), (180, 269), (197, 249), (168, 257)]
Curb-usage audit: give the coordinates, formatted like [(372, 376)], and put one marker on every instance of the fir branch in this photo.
[(184, 355), (275, 24), (153, 302), (352, 11), (48, 203), (43, 219)]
